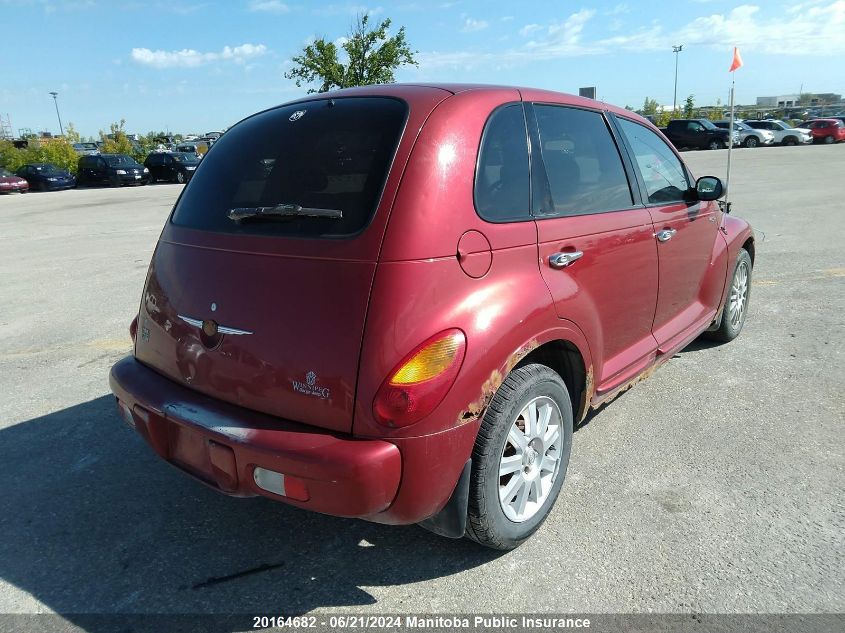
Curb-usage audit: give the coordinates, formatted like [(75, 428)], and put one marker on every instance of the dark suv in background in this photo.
[(173, 167), (697, 133), (111, 169)]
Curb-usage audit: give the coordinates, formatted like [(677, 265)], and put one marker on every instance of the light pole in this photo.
[(58, 116), (676, 49)]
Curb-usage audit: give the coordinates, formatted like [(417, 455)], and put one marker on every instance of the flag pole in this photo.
[(735, 64), (730, 145)]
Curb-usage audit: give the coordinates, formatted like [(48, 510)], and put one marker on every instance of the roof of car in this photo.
[(531, 94)]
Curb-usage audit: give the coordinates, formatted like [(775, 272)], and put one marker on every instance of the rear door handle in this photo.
[(665, 235), (562, 260)]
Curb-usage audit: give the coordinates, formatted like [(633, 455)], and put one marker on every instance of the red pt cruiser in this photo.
[(394, 302)]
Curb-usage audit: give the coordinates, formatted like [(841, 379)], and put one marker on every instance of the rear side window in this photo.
[(502, 176), (583, 165), (330, 154), (661, 170)]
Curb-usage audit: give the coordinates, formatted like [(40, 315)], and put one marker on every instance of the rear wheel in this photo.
[(751, 141), (714, 144), (520, 457), (736, 304), (828, 140)]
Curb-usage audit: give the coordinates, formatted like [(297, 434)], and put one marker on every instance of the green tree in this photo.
[(689, 106), (10, 156), (57, 151), (650, 106), (116, 142), (372, 58), (71, 134)]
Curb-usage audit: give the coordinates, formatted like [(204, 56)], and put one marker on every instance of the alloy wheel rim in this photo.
[(530, 460), (739, 294)]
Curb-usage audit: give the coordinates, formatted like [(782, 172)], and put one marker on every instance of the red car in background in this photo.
[(826, 130), (396, 302), (10, 183)]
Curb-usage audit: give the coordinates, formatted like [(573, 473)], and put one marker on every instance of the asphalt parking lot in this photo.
[(714, 486)]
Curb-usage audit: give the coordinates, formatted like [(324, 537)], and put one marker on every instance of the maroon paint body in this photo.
[(350, 310)]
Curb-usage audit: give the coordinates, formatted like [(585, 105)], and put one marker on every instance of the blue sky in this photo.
[(197, 66)]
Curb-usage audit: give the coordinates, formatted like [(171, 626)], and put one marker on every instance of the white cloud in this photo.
[(471, 25), (190, 58), (530, 29), (347, 9), (269, 6), (817, 29)]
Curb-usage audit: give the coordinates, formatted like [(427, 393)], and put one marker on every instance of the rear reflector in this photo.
[(279, 484)]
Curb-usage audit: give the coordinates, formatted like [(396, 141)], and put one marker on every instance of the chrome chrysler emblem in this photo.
[(210, 327), (311, 378), (296, 115)]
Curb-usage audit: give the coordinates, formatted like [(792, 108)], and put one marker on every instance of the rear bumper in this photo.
[(222, 444)]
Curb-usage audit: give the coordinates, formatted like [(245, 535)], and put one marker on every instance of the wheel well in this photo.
[(749, 246), (565, 359)]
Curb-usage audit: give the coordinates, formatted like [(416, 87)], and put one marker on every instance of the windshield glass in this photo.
[(708, 124), (47, 169), (185, 158), (4, 173), (120, 160), (324, 154)]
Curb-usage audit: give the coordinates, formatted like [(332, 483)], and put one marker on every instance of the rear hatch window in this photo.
[(313, 169)]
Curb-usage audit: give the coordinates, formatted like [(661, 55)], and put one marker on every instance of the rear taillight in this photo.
[(133, 329), (420, 382)]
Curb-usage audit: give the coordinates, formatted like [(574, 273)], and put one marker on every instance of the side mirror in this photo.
[(709, 188)]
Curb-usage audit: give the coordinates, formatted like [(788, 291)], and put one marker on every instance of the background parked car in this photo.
[(111, 169), (46, 177), (86, 149), (697, 133), (827, 130), (748, 136), (173, 167), (9, 183), (194, 147), (784, 133)]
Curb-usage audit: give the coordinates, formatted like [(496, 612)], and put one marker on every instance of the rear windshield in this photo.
[(326, 154)]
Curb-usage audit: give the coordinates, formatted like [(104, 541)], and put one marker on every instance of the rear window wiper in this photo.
[(283, 211)]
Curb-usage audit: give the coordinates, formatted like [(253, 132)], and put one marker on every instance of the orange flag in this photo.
[(737, 62)]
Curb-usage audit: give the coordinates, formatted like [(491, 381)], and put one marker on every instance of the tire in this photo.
[(829, 140), (751, 141), (739, 295), (714, 144), (537, 470), (790, 140), (180, 177)]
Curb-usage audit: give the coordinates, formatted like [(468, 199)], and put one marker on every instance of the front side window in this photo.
[(502, 176), (583, 165), (661, 170)]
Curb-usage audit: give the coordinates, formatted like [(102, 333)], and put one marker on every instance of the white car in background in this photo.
[(784, 133), (748, 136)]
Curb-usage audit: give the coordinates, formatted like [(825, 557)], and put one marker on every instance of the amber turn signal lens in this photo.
[(421, 380), (432, 360)]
